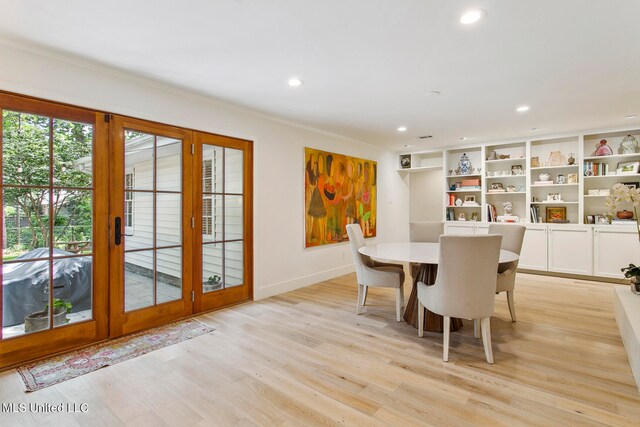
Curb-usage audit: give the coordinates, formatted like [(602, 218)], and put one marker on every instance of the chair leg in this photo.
[(476, 328), (486, 338), (402, 296), (446, 331), (398, 304), (359, 298), (364, 295), (512, 307), (420, 319)]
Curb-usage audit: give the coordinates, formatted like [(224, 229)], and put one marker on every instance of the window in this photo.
[(129, 182), (207, 198)]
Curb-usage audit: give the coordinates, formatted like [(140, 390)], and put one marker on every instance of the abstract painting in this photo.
[(338, 190)]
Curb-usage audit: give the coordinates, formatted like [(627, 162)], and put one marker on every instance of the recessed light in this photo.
[(402, 129), (472, 16), (534, 129), (407, 145), (631, 116), (433, 93), (425, 137), (522, 108), (464, 138), (295, 82)]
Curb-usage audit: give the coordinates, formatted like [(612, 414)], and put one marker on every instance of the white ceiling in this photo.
[(367, 64)]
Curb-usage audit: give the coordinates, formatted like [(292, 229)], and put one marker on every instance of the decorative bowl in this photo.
[(544, 177), (624, 214)]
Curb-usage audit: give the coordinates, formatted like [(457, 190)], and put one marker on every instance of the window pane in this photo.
[(72, 153), (72, 229), (72, 289), (138, 158), (25, 293), (233, 264), (169, 216), (169, 274), (233, 218), (212, 219), (233, 170), (212, 168), (138, 280), (212, 267), (142, 231), (25, 148), (168, 164), (26, 212)]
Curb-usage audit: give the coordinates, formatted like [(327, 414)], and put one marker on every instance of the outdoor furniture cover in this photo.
[(25, 287)]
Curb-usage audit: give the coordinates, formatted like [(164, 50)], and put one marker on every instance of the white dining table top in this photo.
[(423, 253)]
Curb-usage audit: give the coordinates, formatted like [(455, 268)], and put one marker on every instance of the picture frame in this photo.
[(628, 168), (572, 178), (554, 197), (474, 216), (535, 162), (462, 216), (497, 186), (590, 219), (469, 199), (635, 185), (556, 214), (458, 185), (517, 170), (405, 161), (601, 219)]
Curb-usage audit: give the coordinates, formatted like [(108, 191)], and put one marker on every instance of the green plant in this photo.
[(214, 280), (631, 271), (57, 303)]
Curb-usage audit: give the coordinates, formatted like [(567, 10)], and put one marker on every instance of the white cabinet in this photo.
[(534, 248), (614, 248), (482, 228), (570, 249), (460, 227)]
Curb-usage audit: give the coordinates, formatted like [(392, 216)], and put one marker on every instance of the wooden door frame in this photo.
[(61, 338), (121, 322), (217, 299)]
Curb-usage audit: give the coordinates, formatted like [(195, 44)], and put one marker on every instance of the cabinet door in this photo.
[(570, 250), (465, 229), (482, 229), (614, 248), (534, 249)]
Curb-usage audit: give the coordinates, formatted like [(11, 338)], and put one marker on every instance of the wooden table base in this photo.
[(425, 273)]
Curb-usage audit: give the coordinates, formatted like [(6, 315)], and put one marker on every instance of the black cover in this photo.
[(26, 285)]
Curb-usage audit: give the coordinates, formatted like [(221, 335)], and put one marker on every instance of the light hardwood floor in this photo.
[(305, 358)]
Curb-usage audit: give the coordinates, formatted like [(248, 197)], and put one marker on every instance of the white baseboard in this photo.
[(301, 282)]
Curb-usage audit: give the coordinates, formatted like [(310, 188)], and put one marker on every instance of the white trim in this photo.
[(301, 282)]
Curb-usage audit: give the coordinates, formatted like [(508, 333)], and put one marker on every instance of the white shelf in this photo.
[(505, 192), (551, 184), (630, 175), (419, 168), (506, 176), (553, 167), (465, 207), (614, 156), (554, 203), (464, 176), (464, 191), (518, 159), (595, 195)]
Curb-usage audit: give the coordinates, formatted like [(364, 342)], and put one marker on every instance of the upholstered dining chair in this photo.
[(376, 274), (512, 237), (465, 285), (426, 232)]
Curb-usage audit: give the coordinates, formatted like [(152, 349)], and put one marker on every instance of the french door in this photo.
[(112, 225)]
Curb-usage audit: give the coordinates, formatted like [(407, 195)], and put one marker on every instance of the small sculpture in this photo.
[(571, 160), (603, 149), (508, 208), (492, 155), (629, 145)]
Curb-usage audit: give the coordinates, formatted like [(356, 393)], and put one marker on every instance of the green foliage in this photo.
[(28, 151), (631, 271), (59, 303)]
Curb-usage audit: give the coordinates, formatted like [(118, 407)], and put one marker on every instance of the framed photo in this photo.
[(405, 161), (572, 178), (462, 216), (535, 162), (469, 199), (474, 216), (557, 214), (601, 219), (458, 185), (635, 185), (497, 186), (553, 197), (628, 168), (517, 170), (590, 219)]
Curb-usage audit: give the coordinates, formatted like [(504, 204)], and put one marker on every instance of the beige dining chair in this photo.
[(372, 273), (424, 232), (512, 237), (465, 285)]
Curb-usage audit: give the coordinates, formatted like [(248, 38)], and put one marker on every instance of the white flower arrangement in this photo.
[(622, 193)]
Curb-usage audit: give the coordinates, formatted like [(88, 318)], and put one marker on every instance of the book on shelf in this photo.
[(470, 204), (596, 168), (547, 182), (507, 218), (618, 221), (535, 214), (450, 215), (470, 187), (491, 213), (497, 190)]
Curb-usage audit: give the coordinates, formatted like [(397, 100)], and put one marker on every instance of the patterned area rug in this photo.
[(70, 365)]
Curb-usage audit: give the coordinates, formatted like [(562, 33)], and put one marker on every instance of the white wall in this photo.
[(281, 263), (425, 194)]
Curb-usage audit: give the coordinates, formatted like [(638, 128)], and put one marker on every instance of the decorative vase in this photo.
[(625, 214), (571, 160), (603, 149), (464, 165), (629, 145), (544, 176), (556, 158), (40, 319)]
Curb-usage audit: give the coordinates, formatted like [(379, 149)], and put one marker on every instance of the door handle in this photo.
[(118, 226)]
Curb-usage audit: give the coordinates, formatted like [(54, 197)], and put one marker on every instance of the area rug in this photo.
[(56, 369)]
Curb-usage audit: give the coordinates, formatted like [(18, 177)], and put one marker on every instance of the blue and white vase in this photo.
[(464, 165)]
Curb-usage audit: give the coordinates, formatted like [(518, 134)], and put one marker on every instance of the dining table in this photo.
[(426, 255)]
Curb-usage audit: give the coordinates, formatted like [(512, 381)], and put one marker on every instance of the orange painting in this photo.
[(339, 190)]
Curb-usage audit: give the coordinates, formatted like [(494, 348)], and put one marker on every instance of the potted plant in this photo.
[(633, 274), (214, 282), (39, 320)]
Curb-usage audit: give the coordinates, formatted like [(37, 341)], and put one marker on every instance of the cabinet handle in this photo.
[(118, 227)]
